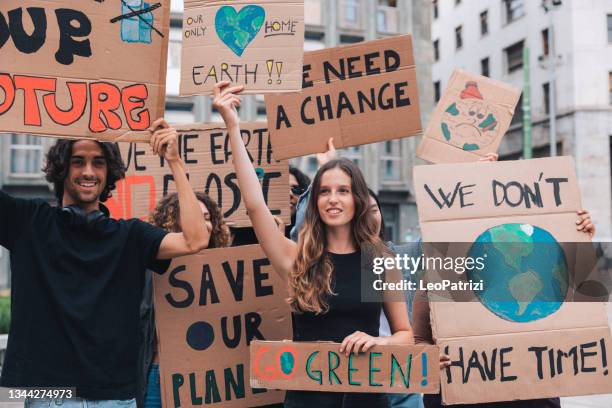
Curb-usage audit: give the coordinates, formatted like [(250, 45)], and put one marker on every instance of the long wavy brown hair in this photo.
[(167, 216), (310, 281)]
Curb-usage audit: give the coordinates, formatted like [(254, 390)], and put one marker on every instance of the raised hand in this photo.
[(226, 101), (164, 141)]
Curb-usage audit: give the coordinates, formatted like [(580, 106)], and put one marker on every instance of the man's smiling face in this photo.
[(87, 175)]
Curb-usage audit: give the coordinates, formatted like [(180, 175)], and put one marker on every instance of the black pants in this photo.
[(435, 401), (315, 399)]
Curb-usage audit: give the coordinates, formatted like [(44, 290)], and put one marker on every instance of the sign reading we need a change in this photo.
[(87, 69), (361, 93), (522, 335), (258, 44)]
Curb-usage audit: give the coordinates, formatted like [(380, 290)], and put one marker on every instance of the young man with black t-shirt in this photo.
[(77, 275)]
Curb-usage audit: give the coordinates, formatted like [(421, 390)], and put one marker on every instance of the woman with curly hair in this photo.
[(323, 269), (166, 215)]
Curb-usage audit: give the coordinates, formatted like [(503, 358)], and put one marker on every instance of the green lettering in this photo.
[(232, 384), (374, 370), (395, 365), (212, 391), (177, 382), (332, 374), (350, 371), (319, 377)]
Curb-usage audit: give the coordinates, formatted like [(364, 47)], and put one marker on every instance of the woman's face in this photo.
[(207, 220), (335, 200), (375, 213)]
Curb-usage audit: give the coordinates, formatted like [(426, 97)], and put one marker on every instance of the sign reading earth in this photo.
[(525, 272)]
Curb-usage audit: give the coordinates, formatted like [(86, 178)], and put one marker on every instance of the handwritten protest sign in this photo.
[(205, 149), (319, 366), (520, 337), (470, 119), (357, 94), (87, 69), (258, 44), (208, 308)]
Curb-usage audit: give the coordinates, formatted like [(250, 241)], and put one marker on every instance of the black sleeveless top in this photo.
[(347, 313)]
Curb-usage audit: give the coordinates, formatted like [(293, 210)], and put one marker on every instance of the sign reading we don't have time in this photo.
[(55, 54)]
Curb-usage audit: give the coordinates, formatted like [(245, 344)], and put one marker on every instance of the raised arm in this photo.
[(194, 236), (280, 250)]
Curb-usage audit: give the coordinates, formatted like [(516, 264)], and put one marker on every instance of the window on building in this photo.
[(388, 3), (436, 91), (484, 22), (26, 156), (391, 158), (610, 28), (458, 37), (312, 165), (435, 8), (514, 57), (484, 67), (351, 10), (546, 97), (436, 47), (457, 2), (545, 48), (390, 213), (513, 10)]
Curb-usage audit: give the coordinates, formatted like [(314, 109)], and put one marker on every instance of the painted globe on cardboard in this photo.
[(525, 272)]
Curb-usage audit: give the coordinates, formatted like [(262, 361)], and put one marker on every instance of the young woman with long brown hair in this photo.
[(323, 268)]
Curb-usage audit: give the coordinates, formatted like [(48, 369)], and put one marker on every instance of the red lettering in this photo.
[(133, 97), (30, 85), (120, 206), (268, 372), (6, 84), (105, 100), (78, 96)]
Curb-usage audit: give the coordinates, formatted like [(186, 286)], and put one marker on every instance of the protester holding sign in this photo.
[(322, 270), (167, 216), (77, 275)]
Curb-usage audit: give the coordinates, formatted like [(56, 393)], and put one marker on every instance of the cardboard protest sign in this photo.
[(357, 94), (520, 337), (208, 308), (205, 149), (319, 366), (86, 69), (470, 119), (258, 44)]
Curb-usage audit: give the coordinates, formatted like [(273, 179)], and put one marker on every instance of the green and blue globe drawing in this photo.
[(525, 273), (238, 29)]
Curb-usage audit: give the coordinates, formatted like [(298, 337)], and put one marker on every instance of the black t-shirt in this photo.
[(347, 313), (75, 298)]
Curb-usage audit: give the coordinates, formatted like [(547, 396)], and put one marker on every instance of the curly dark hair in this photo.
[(166, 215), (58, 163)]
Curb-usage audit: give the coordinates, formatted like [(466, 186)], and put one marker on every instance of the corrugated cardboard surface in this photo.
[(115, 60), (475, 112), (473, 326), (348, 128), (290, 365), (203, 370), (273, 57), (206, 152)]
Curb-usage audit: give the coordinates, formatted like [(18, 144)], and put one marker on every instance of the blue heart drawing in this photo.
[(237, 30)]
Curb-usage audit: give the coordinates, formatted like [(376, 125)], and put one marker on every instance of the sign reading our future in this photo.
[(208, 309), (357, 94), (258, 44), (319, 366), (520, 336), (93, 69), (206, 151)]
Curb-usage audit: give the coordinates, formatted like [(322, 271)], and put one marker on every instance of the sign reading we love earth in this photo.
[(256, 44)]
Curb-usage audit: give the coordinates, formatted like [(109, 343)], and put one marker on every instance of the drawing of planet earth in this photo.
[(525, 272), (237, 30)]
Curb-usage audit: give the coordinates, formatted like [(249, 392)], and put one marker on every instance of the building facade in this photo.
[(488, 37)]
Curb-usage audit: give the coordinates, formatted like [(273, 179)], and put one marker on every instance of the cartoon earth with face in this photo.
[(470, 123)]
